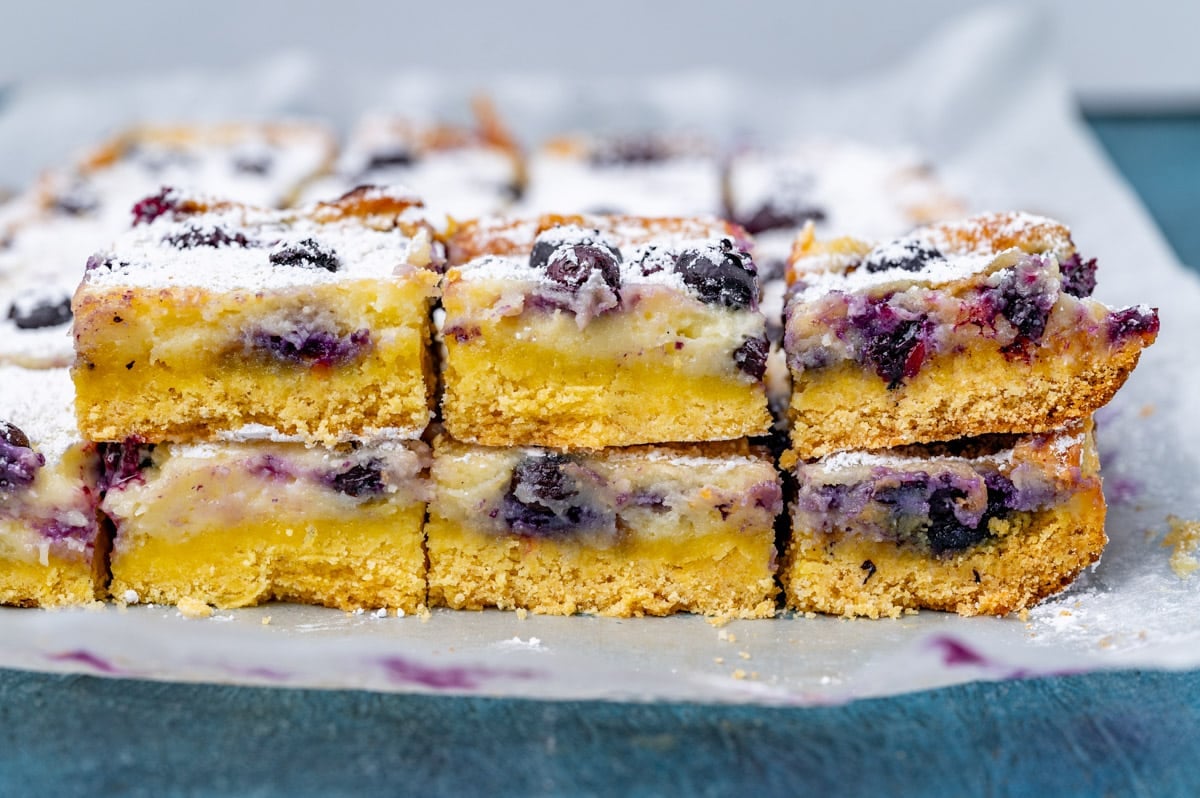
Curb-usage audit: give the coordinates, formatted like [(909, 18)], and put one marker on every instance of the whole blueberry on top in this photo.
[(37, 312), (154, 206), (19, 464), (572, 266), (721, 275), (214, 236), (569, 256), (906, 254), (307, 254), (78, 200), (630, 150), (773, 216), (389, 159), (253, 163)]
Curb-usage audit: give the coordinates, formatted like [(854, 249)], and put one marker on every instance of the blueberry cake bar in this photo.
[(208, 319), (959, 329), (650, 174), (979, 526), (263, 164), (640, 531), (52, 546), (600, 331), (459, 172), (237, 524)]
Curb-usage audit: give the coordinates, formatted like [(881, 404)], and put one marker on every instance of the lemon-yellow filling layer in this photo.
[(372, 560), (661, 371)]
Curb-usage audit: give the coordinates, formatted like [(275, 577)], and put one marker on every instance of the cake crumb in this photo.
[(1184, 539), (266, 620), (193, 608), (739, 674), (130, 597), (1105, 642), (728, 637), (1147, 411), (400, 613), (744, 654), (719, 660), (522, 613), (1024, 615), (1066, 613), (423, 613), (381, 612)]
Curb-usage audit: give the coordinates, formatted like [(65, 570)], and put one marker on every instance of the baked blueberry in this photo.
[(147, 210), (909, 255), (304, 345), (206, 237), (1078, 275), (894, 340), (543, 497), (720, 275), (751, 357), (362, 479), (19, 463), (123, 461), (308, 253), (39, 311)]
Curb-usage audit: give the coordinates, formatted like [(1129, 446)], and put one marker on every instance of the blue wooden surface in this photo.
[(1131, 733)]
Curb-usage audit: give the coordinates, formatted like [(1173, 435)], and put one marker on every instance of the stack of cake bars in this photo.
[(366, 403), (943, 388)]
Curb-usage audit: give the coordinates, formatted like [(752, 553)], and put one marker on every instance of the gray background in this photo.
[(1134, 55)]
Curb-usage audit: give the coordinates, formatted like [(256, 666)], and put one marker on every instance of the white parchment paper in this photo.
[(984, 101)]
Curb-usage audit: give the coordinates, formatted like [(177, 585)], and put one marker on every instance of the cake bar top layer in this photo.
[(934, 256), (179, 240), (41, 404), (842, 187), (516, 235)]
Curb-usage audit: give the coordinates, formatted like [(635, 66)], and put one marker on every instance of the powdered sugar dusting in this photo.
[(42, 404), (146, 258)]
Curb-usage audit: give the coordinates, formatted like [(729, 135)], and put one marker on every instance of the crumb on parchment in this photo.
[(193, 608), (1183, 538)]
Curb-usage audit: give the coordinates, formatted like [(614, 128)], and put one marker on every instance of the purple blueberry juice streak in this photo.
[(123, 462), (311, 347), (454, 677), (57, 531)]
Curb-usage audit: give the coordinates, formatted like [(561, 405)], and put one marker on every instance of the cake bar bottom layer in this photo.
[(377, 561), (1034, 555), (58, 582), (724, 574)]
